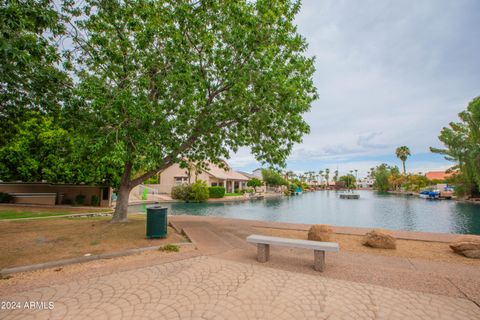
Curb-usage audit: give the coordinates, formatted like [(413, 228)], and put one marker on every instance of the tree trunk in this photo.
[(404, 171), (121, 209)]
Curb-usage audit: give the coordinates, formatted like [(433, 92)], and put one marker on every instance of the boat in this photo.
[(429, 194)]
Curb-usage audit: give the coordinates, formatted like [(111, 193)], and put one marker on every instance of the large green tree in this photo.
[(462, 142), (32, 80), (403, 153), (162, 81)]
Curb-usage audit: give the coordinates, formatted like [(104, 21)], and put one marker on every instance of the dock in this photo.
[(349, 196)]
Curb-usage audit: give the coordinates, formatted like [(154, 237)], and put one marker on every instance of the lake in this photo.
[(389, 211)]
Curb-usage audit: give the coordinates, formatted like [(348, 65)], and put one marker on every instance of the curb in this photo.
[(87, 214), (65, 262)]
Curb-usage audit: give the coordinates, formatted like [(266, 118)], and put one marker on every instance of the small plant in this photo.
[(95, 201), (216, 192), (94, 242), (5, 197), (199, 191), (182, 192), (169, 248), (5, 277), (80, 199)]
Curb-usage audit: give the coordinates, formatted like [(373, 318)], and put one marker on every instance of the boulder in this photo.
[(468, 246), (320, 232), (379, 239)]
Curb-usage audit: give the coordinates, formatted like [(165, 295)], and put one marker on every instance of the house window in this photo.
[(180, 180), (214, 184)]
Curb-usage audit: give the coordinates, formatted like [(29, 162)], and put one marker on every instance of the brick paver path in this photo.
[(211, 288)]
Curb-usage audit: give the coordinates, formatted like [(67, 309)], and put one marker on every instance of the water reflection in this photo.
[(371, 210)]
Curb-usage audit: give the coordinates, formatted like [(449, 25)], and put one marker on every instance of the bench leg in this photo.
[(263, 252), (319, 260)]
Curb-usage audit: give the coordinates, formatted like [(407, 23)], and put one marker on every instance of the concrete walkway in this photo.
[(222, 280), (210, 288)]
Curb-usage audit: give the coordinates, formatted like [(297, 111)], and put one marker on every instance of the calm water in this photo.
[(371, 210)]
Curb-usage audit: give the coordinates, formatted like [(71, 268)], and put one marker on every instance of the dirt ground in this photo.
[(435, 251), (36, 241)]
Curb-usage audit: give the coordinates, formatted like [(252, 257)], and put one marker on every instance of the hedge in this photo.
[(216, 192)]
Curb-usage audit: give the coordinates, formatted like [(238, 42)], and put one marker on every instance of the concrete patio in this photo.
[(222, 280)]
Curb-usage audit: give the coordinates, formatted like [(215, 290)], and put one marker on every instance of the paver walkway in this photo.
[(222, 280), (210, 288)]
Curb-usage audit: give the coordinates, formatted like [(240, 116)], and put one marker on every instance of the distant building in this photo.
[(257, 173), (213, 175), (365, 183), (438, 175)]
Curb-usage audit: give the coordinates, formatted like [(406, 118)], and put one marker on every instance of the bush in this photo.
[(80, 199), (5, 197), (95, 201), (199, 191), (216, 192), (182, 192), (254, 182), (169, 248)]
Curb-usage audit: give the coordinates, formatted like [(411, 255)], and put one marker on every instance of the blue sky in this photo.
[(388, 73)]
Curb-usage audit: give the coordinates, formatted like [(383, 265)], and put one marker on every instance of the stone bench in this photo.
[(319, 248)]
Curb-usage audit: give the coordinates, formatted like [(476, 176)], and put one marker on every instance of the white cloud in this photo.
[(389, 73)]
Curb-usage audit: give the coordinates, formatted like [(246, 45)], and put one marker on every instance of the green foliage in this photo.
[(80, 199), (254, 183), (181, 192), (348, 181), (403, 153), (30, 72), (381, 175), (151, 180), (415, 182), (462, 142), (95, 201), (197, 192), (169, 248), (41, 149), (159, 83), (273, 178), (5, 197), (200, 191), (216, 192)]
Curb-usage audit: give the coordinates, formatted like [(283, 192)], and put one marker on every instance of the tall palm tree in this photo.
[(402, 153), (327, 174)]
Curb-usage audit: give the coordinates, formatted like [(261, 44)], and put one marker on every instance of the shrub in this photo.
[(254, 182), (5, 197), (80, 199), (199, 191), (216, 192), (182, 192), (169, 248), (95, 201)]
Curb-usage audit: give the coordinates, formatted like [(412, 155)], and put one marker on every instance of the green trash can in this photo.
[(157, 222)]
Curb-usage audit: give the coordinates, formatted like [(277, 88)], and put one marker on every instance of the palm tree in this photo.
[(327, 174), (402, 153)]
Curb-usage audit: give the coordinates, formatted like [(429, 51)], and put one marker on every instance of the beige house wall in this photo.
[(167, 179)]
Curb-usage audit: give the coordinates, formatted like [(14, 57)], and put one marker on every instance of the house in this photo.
[(438, 175), (257, 173), (57, 193), (213, 175), (365, 183)]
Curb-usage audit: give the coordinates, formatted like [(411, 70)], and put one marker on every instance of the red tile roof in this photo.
[(437, 175)]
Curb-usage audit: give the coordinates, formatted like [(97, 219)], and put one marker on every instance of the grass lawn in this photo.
[(235, 194), (18, 211), (35, 241)]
